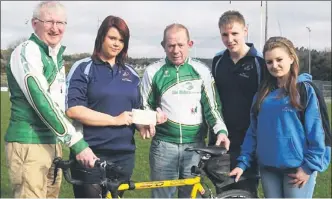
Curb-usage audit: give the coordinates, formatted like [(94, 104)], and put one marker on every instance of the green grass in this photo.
[(141, 172)]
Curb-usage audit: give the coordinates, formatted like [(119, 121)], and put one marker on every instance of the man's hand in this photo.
[(146, 131), (300, 178), (236, 172), (223, 140), (87, 158), (161, 116)]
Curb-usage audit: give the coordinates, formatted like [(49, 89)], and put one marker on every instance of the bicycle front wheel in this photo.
[(235, 193)]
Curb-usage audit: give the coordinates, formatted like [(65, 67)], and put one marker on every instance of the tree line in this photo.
[(320, 61)]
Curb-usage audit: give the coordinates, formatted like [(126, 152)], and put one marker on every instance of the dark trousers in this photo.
[(93, 175)]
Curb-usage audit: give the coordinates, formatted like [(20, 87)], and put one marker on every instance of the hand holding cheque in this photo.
[(146, 120)]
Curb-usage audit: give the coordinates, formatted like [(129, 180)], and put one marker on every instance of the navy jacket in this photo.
[(237, 85), (111, 90)]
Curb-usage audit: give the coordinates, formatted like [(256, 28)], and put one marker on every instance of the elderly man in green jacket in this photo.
[(36, 81)]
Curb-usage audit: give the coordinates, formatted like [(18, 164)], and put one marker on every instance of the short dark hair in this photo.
[(230, 17), (174, 26), (121, 26)]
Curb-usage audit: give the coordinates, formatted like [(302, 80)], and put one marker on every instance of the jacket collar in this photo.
[(57, 51), (168, 62)]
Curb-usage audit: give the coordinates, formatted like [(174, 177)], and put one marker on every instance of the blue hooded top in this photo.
[(278, 138)]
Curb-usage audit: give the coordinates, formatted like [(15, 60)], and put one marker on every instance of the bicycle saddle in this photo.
[(212, 150)]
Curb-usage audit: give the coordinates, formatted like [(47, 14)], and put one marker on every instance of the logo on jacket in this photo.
[(247, 67), (125, 74), (189, 86), (287, 109), (125, 77), (166, 73)]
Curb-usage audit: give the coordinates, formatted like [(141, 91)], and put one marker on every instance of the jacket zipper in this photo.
[(178, 82)]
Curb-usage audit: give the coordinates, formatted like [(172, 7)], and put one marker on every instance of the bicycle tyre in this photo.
[(235, 193)]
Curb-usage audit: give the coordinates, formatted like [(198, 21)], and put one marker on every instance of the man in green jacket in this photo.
[(36, 81), (184, 89)]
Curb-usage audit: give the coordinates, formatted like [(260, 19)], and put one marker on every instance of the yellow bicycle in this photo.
[(214, 164)]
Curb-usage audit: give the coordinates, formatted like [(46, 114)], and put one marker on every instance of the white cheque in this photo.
[(145, 117)]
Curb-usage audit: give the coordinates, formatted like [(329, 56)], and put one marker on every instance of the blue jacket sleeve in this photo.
[(248, 148), (77, 86), (316, 156)]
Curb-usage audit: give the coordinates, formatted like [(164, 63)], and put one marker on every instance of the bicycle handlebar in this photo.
[(106, 167), (65, 165)]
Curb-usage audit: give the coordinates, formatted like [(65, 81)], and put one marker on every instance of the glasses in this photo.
[(49, 24)]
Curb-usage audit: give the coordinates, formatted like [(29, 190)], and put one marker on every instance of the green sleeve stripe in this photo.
[(217, 103), (79, 146), (183, 125), (151, 100), (167, 87), (213, 112), (44, 107), (213, 93), (222, 131)]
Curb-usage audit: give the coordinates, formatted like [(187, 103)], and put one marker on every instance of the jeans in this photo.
[(92, 175), (275, 184), (170, 161)]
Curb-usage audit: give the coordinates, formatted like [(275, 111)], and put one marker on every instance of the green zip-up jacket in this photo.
[(37, 88), (187, 94)]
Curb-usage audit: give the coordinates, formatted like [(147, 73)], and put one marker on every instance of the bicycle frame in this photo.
[(114, 186), (196, 182)]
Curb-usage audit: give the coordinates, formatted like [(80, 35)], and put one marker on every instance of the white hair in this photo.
[(49, 5)]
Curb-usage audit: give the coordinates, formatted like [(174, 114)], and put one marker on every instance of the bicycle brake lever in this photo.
[(56, 168)]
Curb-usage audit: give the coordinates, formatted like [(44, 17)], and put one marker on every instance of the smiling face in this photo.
[(278, 62), (112, 45), (48, 32), (177, 45), (233, 36)]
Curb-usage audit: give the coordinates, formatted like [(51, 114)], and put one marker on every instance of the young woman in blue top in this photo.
[(102, 91), (289, 154)]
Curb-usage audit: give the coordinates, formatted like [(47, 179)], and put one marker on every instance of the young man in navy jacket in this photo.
[(237, 73)]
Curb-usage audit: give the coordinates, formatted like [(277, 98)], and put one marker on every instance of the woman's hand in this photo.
[(300, 178), (125, 118), (236, 172)]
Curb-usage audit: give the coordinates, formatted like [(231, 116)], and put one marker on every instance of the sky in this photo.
[(148, 19)]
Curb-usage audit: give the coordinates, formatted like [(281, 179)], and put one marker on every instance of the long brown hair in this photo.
[(269, 82), (121, 26)]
